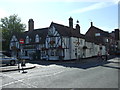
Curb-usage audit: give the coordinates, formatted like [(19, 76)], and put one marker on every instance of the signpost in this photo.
[(21, 41)]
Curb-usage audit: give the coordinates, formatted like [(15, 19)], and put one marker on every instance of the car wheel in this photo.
[(12, 62)]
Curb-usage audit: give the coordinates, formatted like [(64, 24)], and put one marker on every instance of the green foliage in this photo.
[(10, 25)]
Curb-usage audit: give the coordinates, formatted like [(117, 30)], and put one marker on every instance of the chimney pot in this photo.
[(91, 24), (78, 27)]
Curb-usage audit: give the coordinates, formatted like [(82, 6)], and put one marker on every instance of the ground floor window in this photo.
[(43, 53), (56, 52), (53, 52)]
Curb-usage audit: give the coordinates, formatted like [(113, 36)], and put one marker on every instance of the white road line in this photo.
[(30, 77), (48, 75), (16, 82)]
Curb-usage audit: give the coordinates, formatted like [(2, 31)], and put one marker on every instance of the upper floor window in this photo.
[(81, 41), (97, 34), (14, 38), (27, 39), (37, 38), (107, 40)]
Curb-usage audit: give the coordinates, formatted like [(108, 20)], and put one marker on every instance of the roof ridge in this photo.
[(41, 28), (100, 29), (60, 24)]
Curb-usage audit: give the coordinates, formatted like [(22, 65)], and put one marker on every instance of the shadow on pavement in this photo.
[(5, 65), (83, 64)]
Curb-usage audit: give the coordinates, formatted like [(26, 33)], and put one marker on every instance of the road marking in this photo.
[(16, 80), (32, 76)]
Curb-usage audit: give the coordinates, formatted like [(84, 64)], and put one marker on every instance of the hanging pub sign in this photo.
[(52, 42)]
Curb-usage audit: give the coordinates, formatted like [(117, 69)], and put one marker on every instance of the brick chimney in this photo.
[(117, 34), (30, 25), (71, 22), (78, 27)]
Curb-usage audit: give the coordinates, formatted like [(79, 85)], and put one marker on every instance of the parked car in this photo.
[(7, 60), (25, 57)]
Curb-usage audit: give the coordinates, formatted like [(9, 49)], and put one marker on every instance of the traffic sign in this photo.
[(21, 41)]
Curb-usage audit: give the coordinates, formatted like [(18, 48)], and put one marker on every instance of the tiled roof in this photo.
[(90, 35), (32, 34), (41, 32), (92, 30), (19, 35), (67, 31)]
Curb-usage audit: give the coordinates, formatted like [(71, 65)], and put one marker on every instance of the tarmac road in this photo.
[(65, 75)]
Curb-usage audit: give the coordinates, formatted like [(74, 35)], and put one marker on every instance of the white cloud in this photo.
[(115, 1), (95, 6)]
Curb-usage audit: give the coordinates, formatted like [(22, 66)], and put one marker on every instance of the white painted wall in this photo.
[(76, 49), (89, 51), (66, 45), (103, 50)]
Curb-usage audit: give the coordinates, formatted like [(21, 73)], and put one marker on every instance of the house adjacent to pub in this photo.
[(101, 37)]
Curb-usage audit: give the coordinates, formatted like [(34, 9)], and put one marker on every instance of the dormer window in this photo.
[(37, 39), (27, 39), (14, 39), (97, 34)]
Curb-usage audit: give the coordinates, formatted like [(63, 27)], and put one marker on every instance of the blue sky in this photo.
[(103, 13)]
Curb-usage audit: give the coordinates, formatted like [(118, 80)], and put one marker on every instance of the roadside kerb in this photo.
[(25, 68)]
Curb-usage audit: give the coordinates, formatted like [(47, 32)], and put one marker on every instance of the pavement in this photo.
[(15, 68), (83, 63)]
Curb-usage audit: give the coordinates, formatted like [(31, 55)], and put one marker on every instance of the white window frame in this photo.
[(37, 39), (27, 39), (97, 34)]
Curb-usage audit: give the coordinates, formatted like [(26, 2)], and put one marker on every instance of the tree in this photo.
[(10, 25)]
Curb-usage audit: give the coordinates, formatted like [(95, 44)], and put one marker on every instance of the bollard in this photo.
[(19, 65), (23, 65)]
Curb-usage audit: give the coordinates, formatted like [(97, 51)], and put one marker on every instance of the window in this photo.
[(14, 38), (107, 40), (52, 41), (37, 38), (67, 43), (81, 41), (11, 44), (17, 44), (97, 34), (27, 39), (53, 53), (76, 52)]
